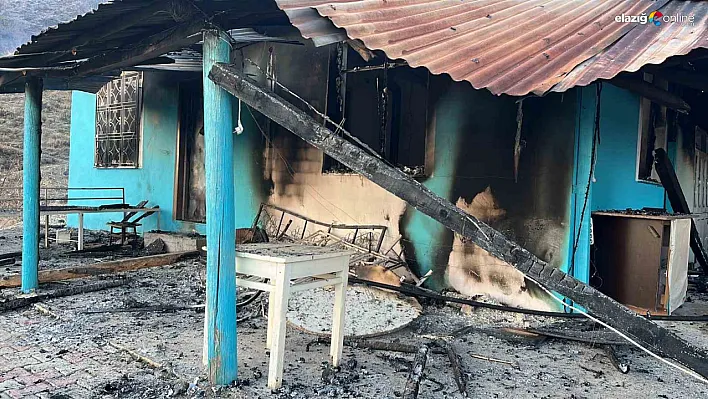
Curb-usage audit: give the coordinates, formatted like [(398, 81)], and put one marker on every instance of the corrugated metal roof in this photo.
[(646, 44), (507, 46)]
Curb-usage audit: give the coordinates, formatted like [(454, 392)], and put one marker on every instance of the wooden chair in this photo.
[(127, 225)]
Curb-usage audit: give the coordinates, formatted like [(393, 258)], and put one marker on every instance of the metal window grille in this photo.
[(118, 122)]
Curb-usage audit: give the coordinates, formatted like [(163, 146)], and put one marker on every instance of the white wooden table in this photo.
[(281, 264)]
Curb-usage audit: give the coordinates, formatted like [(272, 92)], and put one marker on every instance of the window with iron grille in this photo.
[(118, 106)]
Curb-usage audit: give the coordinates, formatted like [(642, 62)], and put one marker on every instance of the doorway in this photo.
[(191, 175)]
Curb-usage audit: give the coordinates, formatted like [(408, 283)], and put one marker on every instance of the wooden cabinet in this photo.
[(641, 260)]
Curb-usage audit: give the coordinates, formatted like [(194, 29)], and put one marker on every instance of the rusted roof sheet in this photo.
[(507, 46), (646, 44)]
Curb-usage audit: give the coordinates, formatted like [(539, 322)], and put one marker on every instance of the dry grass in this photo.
[(56, 121)]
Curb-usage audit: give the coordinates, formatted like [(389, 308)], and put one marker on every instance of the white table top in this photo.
[(288, 253)]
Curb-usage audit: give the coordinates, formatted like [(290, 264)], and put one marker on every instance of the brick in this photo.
[(59, 364), (15, 393), (28, 379), (49, 374), (36, 388), (16, 372), (78, 393), (10, 384), (62, 382), (74, 358), (84, 380)]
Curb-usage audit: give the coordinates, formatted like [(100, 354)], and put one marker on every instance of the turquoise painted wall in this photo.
[(474, 133), (155, 179), (428, 235), (616, 186)]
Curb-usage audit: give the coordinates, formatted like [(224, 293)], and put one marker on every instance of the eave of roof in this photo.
[(508, 46)]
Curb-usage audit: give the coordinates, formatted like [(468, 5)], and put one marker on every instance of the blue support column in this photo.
[(579, 250), (30, 184), (220, 323)]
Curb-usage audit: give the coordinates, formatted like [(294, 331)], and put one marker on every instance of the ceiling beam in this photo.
[(690, 79), (125, 22), (72, 46), (653, 93), (173, 39)]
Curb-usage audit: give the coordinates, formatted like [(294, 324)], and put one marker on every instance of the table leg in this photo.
[(340, 300), (46, 231), (280, 310), (271, 318), (81, 232)]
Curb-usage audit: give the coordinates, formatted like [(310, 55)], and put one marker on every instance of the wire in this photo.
[(630, 340)]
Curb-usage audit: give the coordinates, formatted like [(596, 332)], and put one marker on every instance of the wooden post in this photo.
[(30, 184), (220, 328)]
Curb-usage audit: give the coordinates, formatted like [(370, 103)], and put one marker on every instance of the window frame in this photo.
[(137, 162), (343, 62)]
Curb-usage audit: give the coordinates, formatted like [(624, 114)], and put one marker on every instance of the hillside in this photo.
[(19, 20), (56, 119)]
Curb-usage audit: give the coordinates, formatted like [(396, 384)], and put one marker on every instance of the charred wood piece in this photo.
[(655, 94), (112, 267), (425, 293), (460, 376), (10, 255), (7, 261), (621, 366), (18, 303), (645, 332), (416, 374)]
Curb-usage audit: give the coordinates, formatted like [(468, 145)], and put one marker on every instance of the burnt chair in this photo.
[(127, 227)]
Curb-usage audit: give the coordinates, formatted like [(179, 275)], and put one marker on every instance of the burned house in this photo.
[(528, 116)]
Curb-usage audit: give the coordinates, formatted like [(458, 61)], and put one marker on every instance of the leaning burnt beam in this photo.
[(667, 176), (645, 332)]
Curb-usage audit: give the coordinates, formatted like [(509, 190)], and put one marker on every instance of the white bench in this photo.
[(281, 264)]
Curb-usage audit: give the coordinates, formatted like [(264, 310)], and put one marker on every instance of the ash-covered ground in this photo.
[(71, 356)]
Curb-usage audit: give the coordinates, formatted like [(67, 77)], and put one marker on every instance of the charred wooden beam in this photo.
[(97, 269), (694, 80), (126, 21), (420, 197), (94, 35), (667, 175), (24, 301), (172, 39), (655, 94)]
